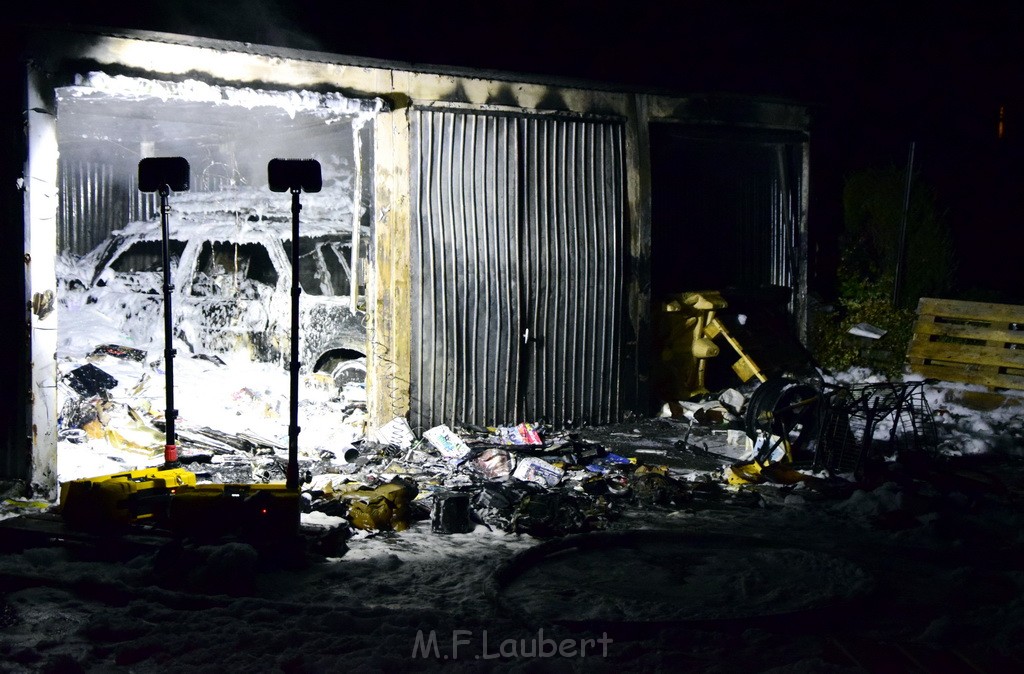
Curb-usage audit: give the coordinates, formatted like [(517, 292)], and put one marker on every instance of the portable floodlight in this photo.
[(295, 176), (159, 173), (286, 175), (164, 175)]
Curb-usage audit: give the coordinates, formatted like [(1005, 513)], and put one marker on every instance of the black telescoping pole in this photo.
[(170, 446), (161, 175), (901, 247), (292, 477), (294, 175)]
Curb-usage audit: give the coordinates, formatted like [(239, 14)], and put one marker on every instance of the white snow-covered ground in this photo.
[(918, 573), (918, 570)]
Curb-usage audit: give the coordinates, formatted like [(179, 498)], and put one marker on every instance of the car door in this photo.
[(229, 297), (330, 316), (128, 285)]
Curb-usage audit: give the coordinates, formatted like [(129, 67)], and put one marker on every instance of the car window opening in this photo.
[(147, 256), (324, 267), (233, 269)]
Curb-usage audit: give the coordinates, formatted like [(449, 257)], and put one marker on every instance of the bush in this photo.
[(873, 212), (869, 302), (872, 218)]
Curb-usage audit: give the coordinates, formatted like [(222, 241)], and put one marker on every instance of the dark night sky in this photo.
[(876, 75)]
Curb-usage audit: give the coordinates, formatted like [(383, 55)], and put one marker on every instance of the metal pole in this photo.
[(292, 481), (897, 286), (170, 448)]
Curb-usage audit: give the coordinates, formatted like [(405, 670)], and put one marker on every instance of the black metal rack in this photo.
[(861, 423)]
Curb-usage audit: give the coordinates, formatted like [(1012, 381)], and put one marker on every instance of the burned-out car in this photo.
[(230, 259)]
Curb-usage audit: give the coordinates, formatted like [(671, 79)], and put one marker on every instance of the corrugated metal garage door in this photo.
[(517, 254)]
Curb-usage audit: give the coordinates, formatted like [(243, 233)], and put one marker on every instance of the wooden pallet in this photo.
[(969, 342)]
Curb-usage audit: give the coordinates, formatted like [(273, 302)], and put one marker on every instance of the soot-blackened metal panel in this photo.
[(573, 223), (516, 269), (465, 269)]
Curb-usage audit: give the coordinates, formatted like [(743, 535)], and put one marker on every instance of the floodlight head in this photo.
[(285, 175), (157, 173)]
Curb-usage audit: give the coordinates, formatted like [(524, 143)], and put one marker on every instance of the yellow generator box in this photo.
[(111, 501)]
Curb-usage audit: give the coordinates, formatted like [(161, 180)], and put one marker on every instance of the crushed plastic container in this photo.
[(451, 513), (492, 464)]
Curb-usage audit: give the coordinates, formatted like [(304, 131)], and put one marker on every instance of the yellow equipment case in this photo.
[(121, 499), (257, 513)]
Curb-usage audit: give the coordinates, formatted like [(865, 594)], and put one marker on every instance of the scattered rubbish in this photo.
[(549, 513), (607, 461), (748, 472), (734, 437), (122, 352), (395, 433), (492, 464), (779, 434), (732, 399), (708, 412), (651, 488), (495, 503), (76, 412), (89, 380), (384, 508), (376, 513), (532, 469), (26, 504), (867, 330), (447, 442), (75, 435), (210, 358), (579, 452), (451, 513), (523, 434), (775, 473)]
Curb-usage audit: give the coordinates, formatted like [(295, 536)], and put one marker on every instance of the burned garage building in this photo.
[(501, 244)]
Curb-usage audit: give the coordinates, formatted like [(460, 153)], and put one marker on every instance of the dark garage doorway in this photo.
[(725, 204), (727, 215)]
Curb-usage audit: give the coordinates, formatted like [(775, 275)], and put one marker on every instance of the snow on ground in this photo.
[(916, 572), (917, 569)]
